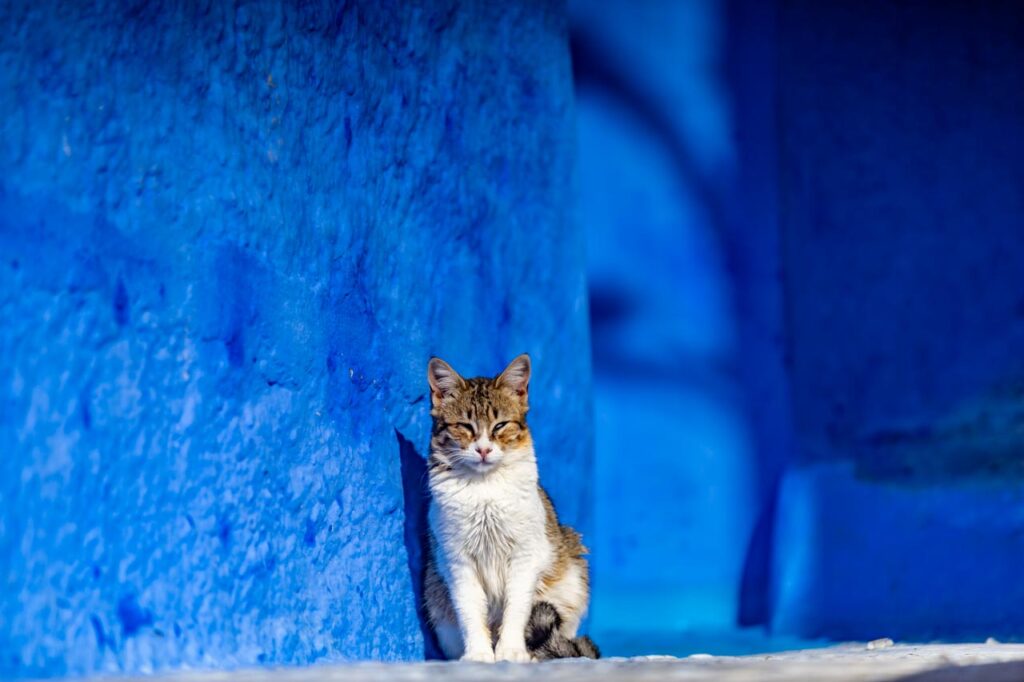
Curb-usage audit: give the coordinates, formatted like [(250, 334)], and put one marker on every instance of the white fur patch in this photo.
[(496, 523)]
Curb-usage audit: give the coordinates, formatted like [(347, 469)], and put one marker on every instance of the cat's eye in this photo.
[(468, 427), (498, 427)]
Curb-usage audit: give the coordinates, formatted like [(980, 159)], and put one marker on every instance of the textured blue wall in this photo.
[(902, 191), (231, 237)]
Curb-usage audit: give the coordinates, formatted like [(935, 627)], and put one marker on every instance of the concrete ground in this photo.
[(991, 662)]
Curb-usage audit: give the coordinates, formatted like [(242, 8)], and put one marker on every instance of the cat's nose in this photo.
[(483, 451)]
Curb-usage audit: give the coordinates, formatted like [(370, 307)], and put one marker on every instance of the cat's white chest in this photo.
[(487, 520), (488, 529), (489, 525)]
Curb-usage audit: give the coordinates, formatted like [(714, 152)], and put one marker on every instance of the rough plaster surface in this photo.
[(231, 235)]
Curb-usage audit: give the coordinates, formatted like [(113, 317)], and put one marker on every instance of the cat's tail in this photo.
[(545, 641)]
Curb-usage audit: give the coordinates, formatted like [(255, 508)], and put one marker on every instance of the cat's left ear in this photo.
[(516, 376)]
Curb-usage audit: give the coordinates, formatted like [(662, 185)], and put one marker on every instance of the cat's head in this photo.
[(480, 423)]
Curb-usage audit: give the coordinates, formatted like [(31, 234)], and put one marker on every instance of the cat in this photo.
[(501, 567), (545, 640)]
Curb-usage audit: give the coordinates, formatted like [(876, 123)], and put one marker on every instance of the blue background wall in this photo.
[(902, 194), (676, 130), (674, 467), (806, 271), (231, 237)]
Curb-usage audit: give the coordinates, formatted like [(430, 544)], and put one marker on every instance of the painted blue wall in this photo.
[(901, 163), (231, 235), (676, 465), (807, 282)]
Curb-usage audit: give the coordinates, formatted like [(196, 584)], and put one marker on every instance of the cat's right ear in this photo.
[(443, 380)]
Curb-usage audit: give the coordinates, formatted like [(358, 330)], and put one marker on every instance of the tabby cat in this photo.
[(505, 581)]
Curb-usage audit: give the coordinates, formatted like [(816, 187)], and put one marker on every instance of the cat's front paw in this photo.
[(478, 656), (513, 654)]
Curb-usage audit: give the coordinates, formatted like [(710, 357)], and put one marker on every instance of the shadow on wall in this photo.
[(416, 498)]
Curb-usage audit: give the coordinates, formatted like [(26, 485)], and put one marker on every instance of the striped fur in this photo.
[(497, 548)]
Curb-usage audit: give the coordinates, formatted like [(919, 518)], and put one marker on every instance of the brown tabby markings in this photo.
[(480, 405), (568, 546)]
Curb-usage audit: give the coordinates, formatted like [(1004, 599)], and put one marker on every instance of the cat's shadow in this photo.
[(416, 497)]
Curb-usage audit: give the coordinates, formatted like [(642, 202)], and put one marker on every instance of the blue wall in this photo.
[(677, 197), (806, 264), (674, 466), (902, 196), (231, 237)]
